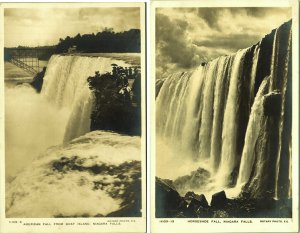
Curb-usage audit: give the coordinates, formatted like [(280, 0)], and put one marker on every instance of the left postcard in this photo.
[(73, 122)]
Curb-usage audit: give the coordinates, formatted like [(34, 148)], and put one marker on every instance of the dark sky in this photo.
[(187, 36), (44, 26)]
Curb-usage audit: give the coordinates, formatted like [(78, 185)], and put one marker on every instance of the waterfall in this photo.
[(232, 116), (193, 112), (229, 133), (253, 129), (65, 86), (207, 112), (60, 113), (220, 94), (254, 70)]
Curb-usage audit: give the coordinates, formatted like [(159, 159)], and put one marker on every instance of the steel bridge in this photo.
[(26, 58)]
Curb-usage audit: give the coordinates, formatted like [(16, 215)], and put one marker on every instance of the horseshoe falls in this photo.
[(231, 117)]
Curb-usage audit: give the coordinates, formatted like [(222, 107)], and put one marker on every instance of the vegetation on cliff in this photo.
[(117, 105)]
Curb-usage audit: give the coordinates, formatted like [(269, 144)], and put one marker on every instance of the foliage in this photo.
[(117, 105), (106, 41)]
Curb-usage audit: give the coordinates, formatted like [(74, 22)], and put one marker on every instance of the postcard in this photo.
[(73, 144), (224, 116)]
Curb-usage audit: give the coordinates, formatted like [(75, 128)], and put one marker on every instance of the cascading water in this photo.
[(65, 86), (61, 111), (207, 112), (96, 171), (219, 118), (51, 155), (220, 93), (229, 132), (253, 129)]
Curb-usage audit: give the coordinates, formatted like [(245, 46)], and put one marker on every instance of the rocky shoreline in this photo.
[(170, 204)]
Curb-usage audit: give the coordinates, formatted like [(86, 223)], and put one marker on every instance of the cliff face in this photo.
[(271, 172), (37, 82), (117, 105)]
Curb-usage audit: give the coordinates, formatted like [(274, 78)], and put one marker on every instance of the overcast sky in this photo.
[(187, 36), (44, 26)]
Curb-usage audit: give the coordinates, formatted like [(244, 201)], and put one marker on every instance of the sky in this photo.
[(187, 36), (44, 26)]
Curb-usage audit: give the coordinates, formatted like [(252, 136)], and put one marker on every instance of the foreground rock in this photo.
[(190, 196), (169, 204), (38, 80), (168, 201), (219, 200)]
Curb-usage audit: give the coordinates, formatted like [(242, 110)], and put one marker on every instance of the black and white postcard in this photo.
[(73, 155), (225, 108)]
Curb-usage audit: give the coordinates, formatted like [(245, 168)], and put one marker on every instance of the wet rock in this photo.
[(169, 183), (220, 214), (284, 208), (264, 203), (198, 207), (194, 204), (204, 212), (37, 82), (191, 195), (218, 200), (272, 104), (190, 212), (168, 201), (203, 201)]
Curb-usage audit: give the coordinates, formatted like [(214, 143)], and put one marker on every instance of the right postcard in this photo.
[(225, 102)]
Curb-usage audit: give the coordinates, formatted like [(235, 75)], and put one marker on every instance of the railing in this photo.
[(24, 66), (27, 58)]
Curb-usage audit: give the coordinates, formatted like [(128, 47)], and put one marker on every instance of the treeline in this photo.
[(106, 41)]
